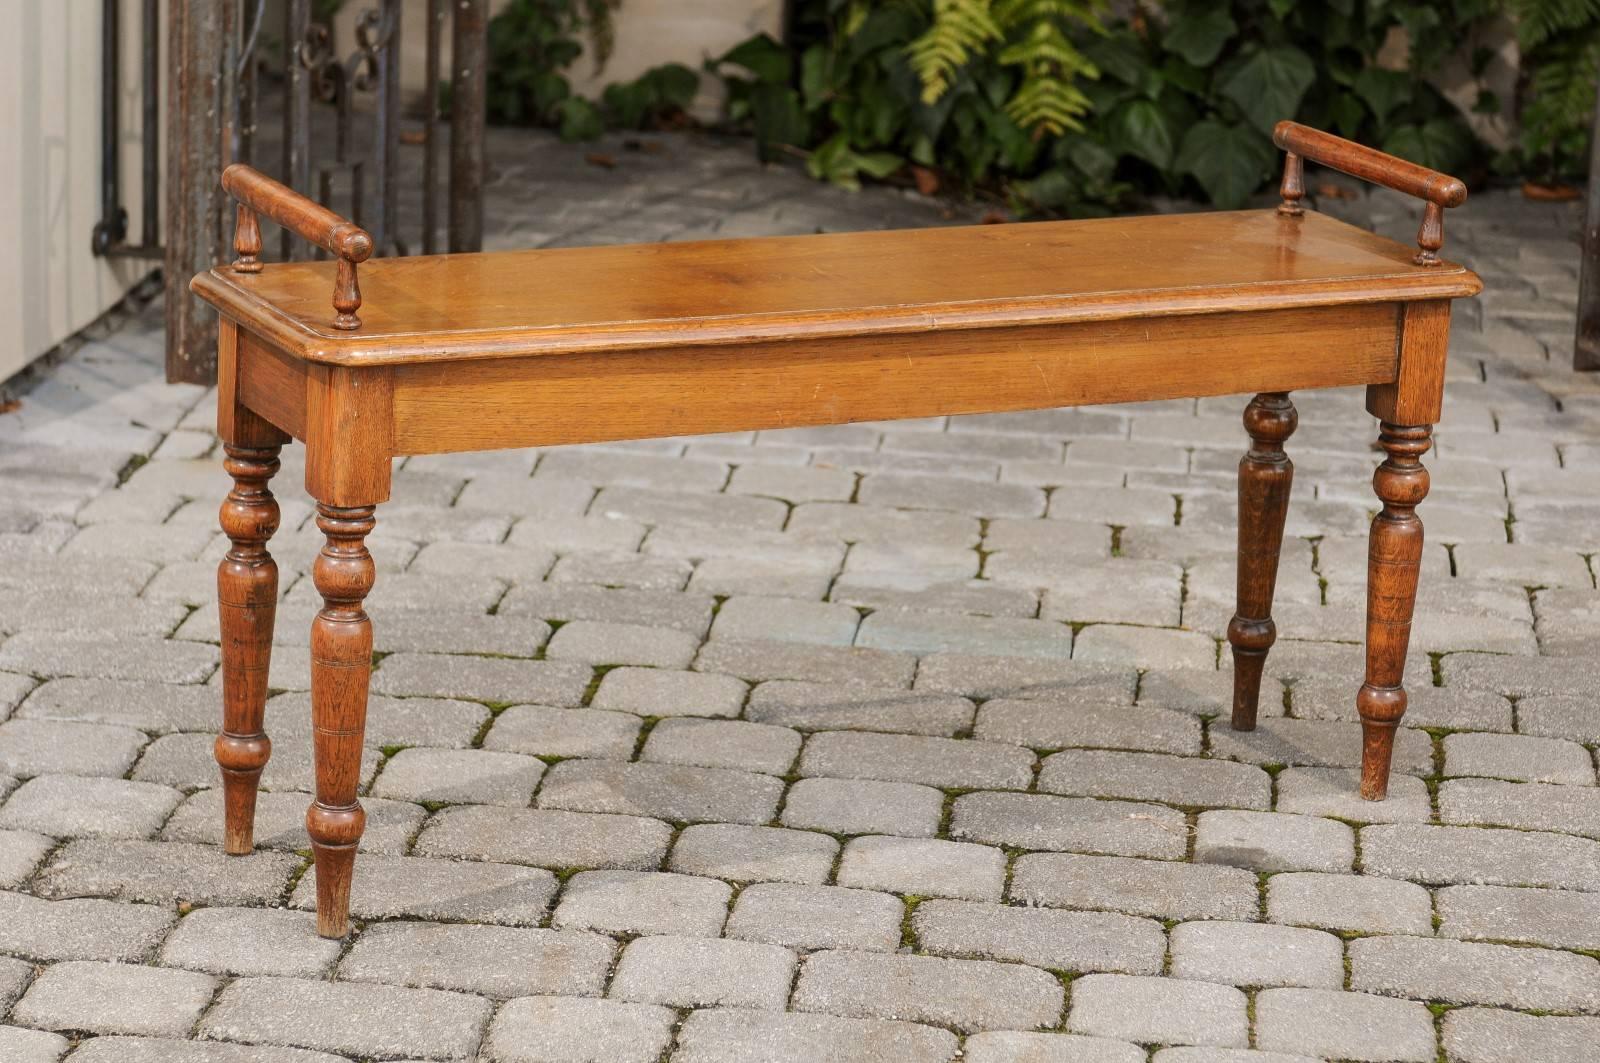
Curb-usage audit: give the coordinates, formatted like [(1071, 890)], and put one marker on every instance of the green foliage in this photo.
[(1560, 42), (532, 41)]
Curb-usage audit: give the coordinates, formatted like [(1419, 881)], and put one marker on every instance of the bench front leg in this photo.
[(341, 664), (1394, 559), (1265, 476)]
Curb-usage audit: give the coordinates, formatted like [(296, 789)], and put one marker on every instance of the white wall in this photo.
[(50, 284)]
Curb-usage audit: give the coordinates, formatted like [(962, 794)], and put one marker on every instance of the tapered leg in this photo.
[(247, 597), (1265, 476), (341, 661), (1393, 560)]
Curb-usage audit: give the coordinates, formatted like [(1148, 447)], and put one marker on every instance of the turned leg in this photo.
[(341, 661), (1265, 476), (247, 598), (1393, 560)]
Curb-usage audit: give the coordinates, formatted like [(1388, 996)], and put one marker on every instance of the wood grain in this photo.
[(860, 286), (1416, 395), (544, 401)]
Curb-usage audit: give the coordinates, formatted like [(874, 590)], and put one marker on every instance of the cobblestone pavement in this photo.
[(891, 741)]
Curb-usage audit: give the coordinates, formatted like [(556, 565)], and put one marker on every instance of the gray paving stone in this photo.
[(21, 852), (856, 523), (164, 873), (80, 929), (15, 975), (1357, 903), (904, 758), (250, 941), (925, 866), (1047, 723), (1522, 758), (1555, 918), (1317, 743), (349, 1018), (545, 838), (65, 806), (1461, 972), (575, 1030), (1155, 777), (391, 887), (156, 708), (1120, 591), (967, 995), (460, 776), (593, 642), (1113, 644), (652, 692), (613, 605), (47, 747), (637, 902), (1225, 1055), (734, 1035), (1426, 706), (1273, 841), (594, 465), (1035, 821), (115, 998), (1335, 792), (653, 507), (1161, 888), (35, 1046), (1457, 855), (853, 666), (704, 972), (792, 483), (482, 678), (863, 806), (1485, 1035), (624, 570), (1353, 1026), (437, 722), (786, 620), (1068, 941), (490, 960), (925, 633), (824, 707), (670, 791), (1521, 676), (731, 576), (1529, 806), (1158, 1010), (188, 761), (1009, 1046), (753, 854), (817, 917), (551, 732), (1257, 954), (732, 744), (281, 822), (912, 491), (1000, 676), (1550, 715)]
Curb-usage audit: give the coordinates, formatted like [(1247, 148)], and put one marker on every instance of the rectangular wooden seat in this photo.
[(534, 348)]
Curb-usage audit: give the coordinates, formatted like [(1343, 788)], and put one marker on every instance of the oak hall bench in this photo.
[(538, 348)]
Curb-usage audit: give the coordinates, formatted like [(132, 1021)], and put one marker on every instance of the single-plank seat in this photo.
[(535, 348)]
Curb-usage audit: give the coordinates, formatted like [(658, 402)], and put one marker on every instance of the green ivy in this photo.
[(1560, 42)]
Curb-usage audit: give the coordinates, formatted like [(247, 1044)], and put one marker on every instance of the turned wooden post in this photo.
[(341, 662), (247, 598), (1394, 559), (1265, 477)]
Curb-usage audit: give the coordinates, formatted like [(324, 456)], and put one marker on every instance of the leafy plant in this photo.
[(1560, 42)]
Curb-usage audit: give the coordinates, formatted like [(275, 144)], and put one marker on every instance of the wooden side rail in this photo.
[(258, 194), (1439, 190)]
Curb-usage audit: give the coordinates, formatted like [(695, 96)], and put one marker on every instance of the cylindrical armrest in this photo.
[(258, 194), (1438, 190)]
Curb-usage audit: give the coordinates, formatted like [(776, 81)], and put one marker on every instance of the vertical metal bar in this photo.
[(468, 92), (296, 111), (113, 225), (150, 78), (1586, 341), (431, 130), (386, 138), (197, 102)]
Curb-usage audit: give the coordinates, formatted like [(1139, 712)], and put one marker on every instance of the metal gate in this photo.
[(263, 82)]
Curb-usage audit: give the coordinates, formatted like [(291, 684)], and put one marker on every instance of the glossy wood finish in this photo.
[(751, 294), (259, 194), (1265, 477), (1394, 558), (341, 662), (465, 352), (1437, 190)]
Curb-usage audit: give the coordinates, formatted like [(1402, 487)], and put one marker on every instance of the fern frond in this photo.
[(959, 30), (1539, 20)]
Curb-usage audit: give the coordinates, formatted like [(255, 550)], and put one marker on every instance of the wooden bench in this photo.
[(537, 348)]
